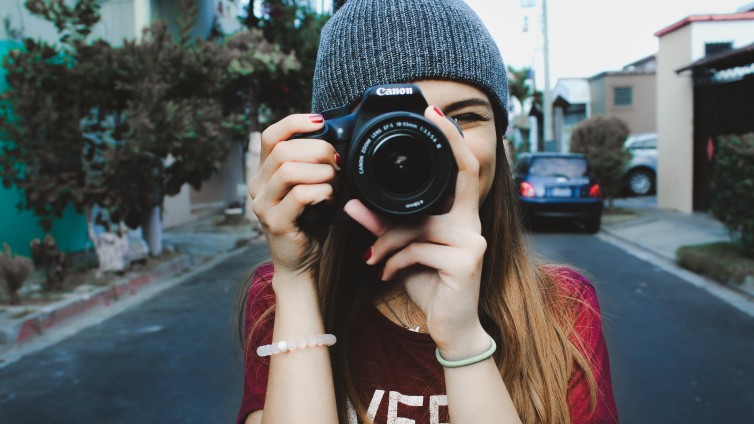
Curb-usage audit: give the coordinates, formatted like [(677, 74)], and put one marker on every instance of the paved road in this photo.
[(678, 354), (173, 359)]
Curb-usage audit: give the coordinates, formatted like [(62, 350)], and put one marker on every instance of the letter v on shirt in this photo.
[(392, 412)]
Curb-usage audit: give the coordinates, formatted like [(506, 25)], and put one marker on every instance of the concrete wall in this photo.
[(122, 18), (597, 89), (169, 11), (211, 195), (24, 22), (674, 122), (118, 20), (18, 228), (641, 115), (740, 33), (177, 209)]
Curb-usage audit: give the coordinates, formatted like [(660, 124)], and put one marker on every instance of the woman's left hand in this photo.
[(438, 257)]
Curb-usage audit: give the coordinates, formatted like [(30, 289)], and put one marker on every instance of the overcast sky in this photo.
[(588, 36)]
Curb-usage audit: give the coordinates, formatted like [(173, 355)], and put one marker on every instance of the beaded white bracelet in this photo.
[(299, 343)]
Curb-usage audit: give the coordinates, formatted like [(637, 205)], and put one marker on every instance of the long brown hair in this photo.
[(522, 306)]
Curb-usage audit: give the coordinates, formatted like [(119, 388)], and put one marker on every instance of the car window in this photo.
[(557, 167), (648, 143)]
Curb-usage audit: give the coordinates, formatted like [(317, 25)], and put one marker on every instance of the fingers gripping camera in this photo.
[(397, 162)]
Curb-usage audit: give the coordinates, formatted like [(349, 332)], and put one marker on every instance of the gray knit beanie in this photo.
[(371, 42)]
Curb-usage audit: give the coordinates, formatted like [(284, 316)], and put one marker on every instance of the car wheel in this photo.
[(593, 224), (641, 182)]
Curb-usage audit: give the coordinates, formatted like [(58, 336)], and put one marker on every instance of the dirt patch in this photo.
[(82, 276), (721, 261)]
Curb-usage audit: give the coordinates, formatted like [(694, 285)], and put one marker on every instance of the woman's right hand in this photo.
[(292, 174)]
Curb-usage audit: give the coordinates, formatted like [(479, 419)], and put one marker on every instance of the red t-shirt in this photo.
[(399, 373)]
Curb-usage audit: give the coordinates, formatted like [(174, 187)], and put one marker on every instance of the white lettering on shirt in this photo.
[(352, 419), (435, 402), (374, 406), (434, 408), (392, 408)]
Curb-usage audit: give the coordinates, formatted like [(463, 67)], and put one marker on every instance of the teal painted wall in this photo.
[(18, 228)]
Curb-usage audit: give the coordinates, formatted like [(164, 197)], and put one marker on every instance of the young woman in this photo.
[(444, 318)]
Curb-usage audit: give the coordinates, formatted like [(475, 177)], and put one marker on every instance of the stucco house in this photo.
[(571, 104), (628, 94), (702, 61)]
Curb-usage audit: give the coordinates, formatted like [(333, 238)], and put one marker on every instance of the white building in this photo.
[(681, 44), (571, 103)]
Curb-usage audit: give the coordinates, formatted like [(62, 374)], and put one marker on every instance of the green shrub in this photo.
[(86, 123), (733, 188), (721, 261), (601, 138)]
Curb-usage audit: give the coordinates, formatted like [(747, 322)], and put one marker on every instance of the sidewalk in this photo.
[(660, 233), (197, 243)]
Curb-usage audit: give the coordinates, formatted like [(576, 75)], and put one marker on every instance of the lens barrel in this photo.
[(400, 164)]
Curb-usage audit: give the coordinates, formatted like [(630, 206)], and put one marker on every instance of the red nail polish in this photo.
[(439, 112), (316, 119), (338, 161), (368, 254)]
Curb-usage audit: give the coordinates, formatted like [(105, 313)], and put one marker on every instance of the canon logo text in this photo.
[(382, 91)]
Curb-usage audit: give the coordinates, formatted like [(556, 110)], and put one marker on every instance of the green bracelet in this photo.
[(469, 361)]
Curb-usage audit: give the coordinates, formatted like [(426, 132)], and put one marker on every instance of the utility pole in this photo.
[(547, 121), (547, 95)]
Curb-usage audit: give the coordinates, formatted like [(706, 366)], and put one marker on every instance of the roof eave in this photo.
[(704, 18)]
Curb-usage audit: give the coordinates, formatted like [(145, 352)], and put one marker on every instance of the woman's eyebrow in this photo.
[(476, 101)]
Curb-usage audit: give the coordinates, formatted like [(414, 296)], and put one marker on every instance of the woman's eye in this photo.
[(468, 118)]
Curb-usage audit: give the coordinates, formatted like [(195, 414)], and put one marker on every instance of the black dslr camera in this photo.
[(396, 161)]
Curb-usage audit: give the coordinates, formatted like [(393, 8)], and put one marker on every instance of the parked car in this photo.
[(559, 185), (641, 173)]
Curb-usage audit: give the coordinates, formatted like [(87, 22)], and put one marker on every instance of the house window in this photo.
[(623, 96), (715, 48)]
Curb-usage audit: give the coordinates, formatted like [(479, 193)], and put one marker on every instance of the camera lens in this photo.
[(402, 165)]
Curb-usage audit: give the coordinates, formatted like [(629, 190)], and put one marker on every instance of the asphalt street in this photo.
[(175, 358), (679, 355)]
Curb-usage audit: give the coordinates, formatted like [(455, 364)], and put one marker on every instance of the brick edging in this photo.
[(53, 315)]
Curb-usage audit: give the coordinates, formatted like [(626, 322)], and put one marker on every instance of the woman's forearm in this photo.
[(300, 386), (477, 393)]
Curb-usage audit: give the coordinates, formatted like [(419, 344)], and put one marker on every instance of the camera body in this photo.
[(396, 161)]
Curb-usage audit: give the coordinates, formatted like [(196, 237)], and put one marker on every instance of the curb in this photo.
[(744, 291), (734, 297), (28, 329), (639, 245)]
